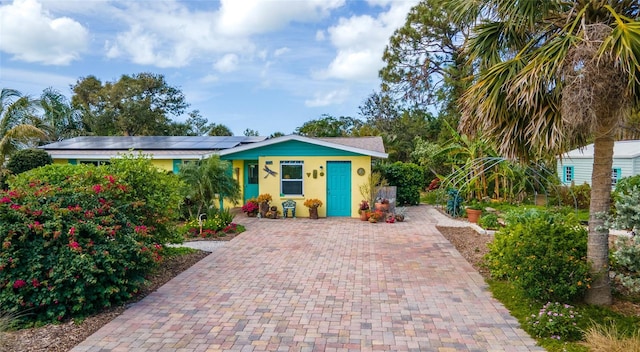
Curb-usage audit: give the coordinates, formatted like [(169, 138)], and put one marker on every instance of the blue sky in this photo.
[(267, 65)]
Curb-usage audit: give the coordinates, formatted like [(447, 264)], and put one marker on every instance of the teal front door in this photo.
[(250, 179), (339, 188)]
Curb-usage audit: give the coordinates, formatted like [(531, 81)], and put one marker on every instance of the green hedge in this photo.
[(407, 177)]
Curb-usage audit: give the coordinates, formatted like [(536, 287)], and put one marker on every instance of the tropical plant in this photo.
[(18, 122), (552, 75), (454, 203), (62, 120), (369, 189), (209, 180)]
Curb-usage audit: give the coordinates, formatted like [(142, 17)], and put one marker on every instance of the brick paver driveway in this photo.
[(322, 285)]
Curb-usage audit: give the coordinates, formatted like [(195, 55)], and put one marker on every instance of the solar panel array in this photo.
[(152, 143)]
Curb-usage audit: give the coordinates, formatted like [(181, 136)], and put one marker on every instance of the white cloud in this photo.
[(168, 34), (259, 16), (227, 63), (360, 41), (281, 51), (328, 98), (31, 34), (210, 78)]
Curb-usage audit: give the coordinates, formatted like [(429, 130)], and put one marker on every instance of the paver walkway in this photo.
[(334, 284)]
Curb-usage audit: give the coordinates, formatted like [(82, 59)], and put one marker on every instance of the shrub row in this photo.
[(78, 238)]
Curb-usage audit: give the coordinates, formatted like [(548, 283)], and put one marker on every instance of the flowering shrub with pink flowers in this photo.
[(77, 238), (557, 321)]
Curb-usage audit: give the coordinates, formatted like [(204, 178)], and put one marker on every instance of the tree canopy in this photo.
[(136, 105)]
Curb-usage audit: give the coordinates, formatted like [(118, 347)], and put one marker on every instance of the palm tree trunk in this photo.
[(598, 243)]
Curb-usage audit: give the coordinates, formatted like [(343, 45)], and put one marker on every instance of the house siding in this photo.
[(582, 169), (312, 187)]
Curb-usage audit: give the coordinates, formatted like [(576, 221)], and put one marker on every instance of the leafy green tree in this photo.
[(141, 104), (218, 129), (18, 120), (276, 134), (209, 180), (425, 62), (198, 125), (251, 133), (329, 126), (552, 75)]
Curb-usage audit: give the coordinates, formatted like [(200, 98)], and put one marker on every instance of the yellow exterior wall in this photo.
[(61, 161), (163, 164), (313, 187)]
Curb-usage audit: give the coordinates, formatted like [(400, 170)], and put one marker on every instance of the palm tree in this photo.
[(61, 118), (552, 75), (209, 179), (18, 121)]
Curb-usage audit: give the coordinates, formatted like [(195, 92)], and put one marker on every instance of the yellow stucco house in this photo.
[(288, 168), (299, 168)]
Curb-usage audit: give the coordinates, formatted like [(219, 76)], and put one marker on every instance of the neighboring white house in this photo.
[(576, 165)]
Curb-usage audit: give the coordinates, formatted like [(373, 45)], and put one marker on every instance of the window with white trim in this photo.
[(615, 176), (291, 181)]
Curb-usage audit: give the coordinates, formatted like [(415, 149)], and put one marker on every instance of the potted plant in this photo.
[(376, 216), (251, 207), (263, 202), (313, 205), (474, 210), (363, 210), (382, 204)]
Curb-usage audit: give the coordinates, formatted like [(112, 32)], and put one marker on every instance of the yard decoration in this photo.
[(313, 204), (263, 202)]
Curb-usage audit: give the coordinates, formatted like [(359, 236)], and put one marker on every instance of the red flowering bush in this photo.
[(78, 238)]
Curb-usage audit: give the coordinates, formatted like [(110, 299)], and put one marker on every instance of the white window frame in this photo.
[(284, 180)]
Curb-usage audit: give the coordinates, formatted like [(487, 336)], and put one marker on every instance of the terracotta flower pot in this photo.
[(473, 215), (363, 215)]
